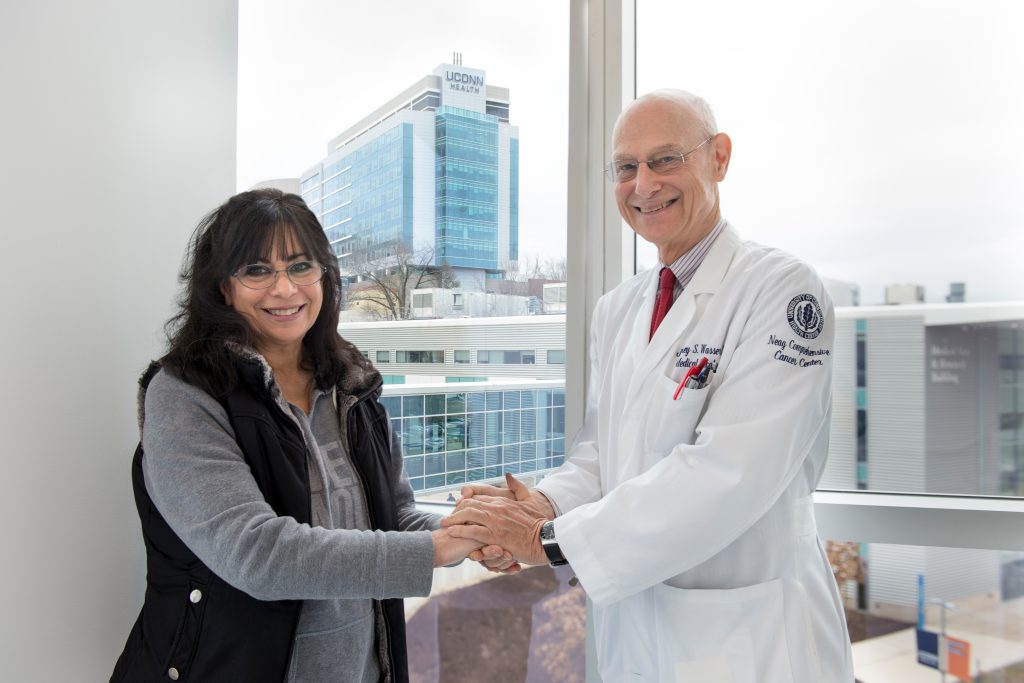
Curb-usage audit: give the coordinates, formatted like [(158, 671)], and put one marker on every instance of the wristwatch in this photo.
[(550, 545)]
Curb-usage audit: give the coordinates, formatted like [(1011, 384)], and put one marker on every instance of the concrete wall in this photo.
[(117, 133), (896, 404), (841, 467)]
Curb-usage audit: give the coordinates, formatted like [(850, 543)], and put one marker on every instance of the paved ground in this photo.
[(529, 628), (996, 635), (863, 626)]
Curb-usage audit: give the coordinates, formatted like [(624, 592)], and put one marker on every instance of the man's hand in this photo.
[(533, 499), (510, 521)]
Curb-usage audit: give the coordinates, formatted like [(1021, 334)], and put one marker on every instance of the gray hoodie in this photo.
[(197, 477)]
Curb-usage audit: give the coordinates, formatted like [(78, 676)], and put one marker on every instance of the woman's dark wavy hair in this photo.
[(244, 230)]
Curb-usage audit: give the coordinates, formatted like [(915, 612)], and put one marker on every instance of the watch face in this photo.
[(547, 531)]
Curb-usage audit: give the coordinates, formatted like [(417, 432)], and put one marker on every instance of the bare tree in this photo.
[(532, 268), (385, 283)]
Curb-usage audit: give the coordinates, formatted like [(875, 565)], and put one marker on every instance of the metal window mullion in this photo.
[(599, 254)]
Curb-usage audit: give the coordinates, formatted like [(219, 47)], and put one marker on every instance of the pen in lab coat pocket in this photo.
[(692, 372)]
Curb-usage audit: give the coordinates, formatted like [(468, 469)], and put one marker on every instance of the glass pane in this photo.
[(524, 627), (435, 404), (455, 431), (412, 405), (475, 430), (921, 252), (393, 405), (412, 162), (456, 403), (475, 402), (434, 434), (982, 591), (412, 436), (475, 458)]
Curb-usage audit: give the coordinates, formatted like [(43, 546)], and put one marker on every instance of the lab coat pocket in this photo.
[(733, 635), (669, 421)]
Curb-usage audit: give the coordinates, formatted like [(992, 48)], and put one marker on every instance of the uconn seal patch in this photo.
[(804, 316)]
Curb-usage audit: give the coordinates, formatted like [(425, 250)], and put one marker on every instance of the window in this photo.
[(879, 587), (940, 427), (479, 434), (506, 357), (383, 356), (419, 356), (916, 389), (556, 356), (382, 194)]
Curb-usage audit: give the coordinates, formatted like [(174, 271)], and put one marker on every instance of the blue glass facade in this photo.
[(466, 207), (311, 192), (367, 196), (513, 200), (452, 438), (439, 172)]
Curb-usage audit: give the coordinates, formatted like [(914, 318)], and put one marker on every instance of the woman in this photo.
[(279, 524)]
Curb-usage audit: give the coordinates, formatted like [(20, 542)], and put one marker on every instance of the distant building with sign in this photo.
[(435, 170), (929, 398)]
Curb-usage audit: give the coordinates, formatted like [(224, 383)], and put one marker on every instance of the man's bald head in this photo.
[(691, 111)]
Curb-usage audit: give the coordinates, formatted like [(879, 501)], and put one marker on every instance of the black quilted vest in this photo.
[(227, 635)]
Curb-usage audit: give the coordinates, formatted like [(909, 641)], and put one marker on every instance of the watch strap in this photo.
[(550, 545)]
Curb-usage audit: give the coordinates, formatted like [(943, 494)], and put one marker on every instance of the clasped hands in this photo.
[(501, 524)]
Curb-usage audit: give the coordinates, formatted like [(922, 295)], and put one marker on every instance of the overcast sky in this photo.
[(882, 141), (310, 69)]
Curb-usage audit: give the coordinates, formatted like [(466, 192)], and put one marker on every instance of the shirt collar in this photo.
[(686, 265)]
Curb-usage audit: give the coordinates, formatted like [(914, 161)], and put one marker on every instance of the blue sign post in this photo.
[(928, 648), (920, 602)]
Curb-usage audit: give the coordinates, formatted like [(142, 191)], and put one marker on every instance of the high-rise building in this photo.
[(957, 293), (904, 294), (435, 170)]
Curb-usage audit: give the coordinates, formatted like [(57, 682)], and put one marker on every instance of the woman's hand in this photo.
[(449, 550)]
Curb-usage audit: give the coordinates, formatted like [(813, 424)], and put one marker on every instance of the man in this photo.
[(684, 506)]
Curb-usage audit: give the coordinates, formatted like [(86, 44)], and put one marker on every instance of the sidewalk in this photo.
[(996, 635)]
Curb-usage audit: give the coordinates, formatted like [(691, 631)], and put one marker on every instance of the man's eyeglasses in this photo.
[(261, 276), (623, 170)]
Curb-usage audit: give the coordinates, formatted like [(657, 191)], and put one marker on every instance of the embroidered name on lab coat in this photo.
[(688, 356)]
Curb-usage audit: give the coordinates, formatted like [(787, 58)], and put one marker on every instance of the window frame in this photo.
[(602, 77)]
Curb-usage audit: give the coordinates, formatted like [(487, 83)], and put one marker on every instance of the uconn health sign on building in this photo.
[(464, 81)]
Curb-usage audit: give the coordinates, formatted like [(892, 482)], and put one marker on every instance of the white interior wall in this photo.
[(117, 132)]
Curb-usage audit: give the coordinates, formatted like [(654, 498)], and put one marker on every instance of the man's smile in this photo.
[(658, 207)]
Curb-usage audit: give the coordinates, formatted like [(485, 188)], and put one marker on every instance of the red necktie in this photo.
[(666, 285)]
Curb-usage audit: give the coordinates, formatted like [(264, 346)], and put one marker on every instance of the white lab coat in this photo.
[(689, 522)]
